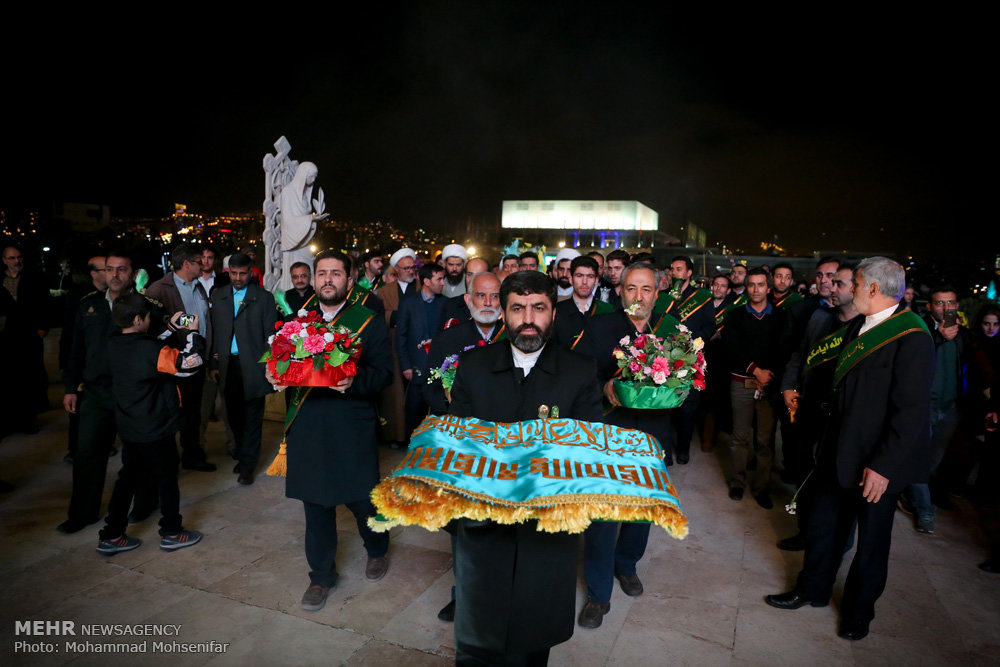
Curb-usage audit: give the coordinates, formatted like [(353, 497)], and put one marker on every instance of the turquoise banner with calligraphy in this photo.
[(564, 473)]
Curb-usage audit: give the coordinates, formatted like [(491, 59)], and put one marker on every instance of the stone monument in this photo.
[(290, 214)]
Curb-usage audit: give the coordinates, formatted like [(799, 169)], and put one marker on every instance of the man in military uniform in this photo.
[(88, 369)]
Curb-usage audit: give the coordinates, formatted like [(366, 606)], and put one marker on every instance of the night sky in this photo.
[(861, 126)]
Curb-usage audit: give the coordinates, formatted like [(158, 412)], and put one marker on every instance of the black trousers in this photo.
[(245, 417), (473, 656), (321, 538), (683, 419), (830, 524), (191, 388), (139, 461), (90, 462)]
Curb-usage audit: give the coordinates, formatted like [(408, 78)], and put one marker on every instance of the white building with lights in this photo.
[(589, 223)]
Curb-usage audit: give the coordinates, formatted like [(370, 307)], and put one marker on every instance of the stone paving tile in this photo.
[(703, 603)]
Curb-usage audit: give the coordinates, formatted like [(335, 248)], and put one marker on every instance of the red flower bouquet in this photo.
[(309, 351)]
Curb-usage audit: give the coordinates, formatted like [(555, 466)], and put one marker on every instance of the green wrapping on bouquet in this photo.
[(648, 397)]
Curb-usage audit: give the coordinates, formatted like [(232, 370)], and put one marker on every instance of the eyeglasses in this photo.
[(941, 302)]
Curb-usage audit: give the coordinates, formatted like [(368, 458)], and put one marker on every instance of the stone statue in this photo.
[(290, 214)]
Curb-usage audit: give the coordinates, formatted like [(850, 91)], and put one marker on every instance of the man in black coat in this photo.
[(515, 586), (332, 443), (613, 550), (243, 317), (876, 443), (572, 314), (417, 322), (301, 290), (484, 327)]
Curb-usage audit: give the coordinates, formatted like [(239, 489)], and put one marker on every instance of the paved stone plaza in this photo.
[(703, 603)]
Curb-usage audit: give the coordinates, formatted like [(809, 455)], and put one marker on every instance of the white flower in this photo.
[(682, 328), (328, 337), (327, 316), (659, 377), (302, 312), (790, 508), (681, 373), (624, 341), (270, 340)]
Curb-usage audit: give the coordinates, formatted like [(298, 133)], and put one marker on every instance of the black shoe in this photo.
[(68, 459), (71, 526), (736, 493), (236, 468), (447, 614), (992, 566), (791, 600), (793, 543), (853, 630), (683, 459), (592, 614), (764, 500), (204, 466), (245, 478), (631, 586)]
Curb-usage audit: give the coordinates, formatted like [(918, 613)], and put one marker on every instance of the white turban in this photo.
[(454, 250), (400, 254), (566, 253)]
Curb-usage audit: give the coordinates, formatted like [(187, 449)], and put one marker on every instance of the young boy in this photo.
[(148, 415)]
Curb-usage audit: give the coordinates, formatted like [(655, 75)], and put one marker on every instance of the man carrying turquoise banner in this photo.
[(515, 585)]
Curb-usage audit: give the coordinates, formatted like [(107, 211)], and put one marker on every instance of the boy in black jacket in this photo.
[(148, 415)]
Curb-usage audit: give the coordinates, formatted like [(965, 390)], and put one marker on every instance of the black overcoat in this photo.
[(881, 417), (332, 443), (515, 587)]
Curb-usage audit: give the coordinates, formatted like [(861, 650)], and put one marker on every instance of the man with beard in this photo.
[(482, 328), (418, 322), (302, 289), (737, 285), (528, 261), (574, 313), (331, 437), (373, 266), (561, 273), (876, 443), (456, 309), (783, 294), (392, 417), (613, 550), (88, 367), (453, 257), (806, 386), (515, 585), (243, 317)]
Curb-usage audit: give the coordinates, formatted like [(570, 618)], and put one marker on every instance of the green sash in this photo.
[(357, 296), (897, 326), (720, 317), (666, 326), (498, 335), (693, 303), (825, 349), (598, 307), (663, 302), (789, 301)]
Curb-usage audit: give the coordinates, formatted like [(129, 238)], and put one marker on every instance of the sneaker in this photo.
[(925, 526), (123, 543), (185, 538)]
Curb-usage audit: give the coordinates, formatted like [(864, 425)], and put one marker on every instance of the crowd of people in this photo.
[(877, 404)]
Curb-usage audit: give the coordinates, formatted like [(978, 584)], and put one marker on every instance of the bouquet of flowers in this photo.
[(659, 373), (449, 367), (311, 352)]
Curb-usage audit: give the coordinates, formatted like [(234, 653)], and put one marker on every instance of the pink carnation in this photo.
[(290, 328), (634, 366), (314, 343), (661, 365), (659, 377)]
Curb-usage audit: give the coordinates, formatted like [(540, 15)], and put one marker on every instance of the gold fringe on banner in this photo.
[(402, 501)]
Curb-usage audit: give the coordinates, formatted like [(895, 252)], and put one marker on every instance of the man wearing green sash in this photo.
[(331, 438), (572, 315), (806, 387), (783, 294), (875, 444)]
